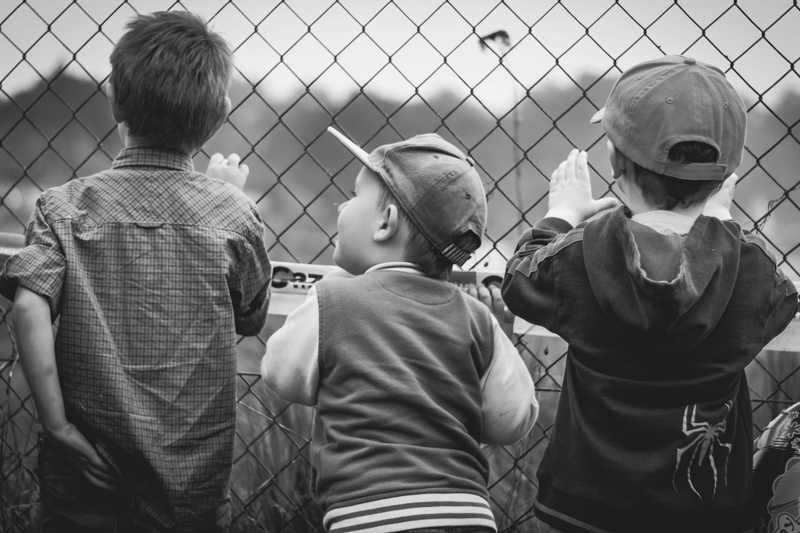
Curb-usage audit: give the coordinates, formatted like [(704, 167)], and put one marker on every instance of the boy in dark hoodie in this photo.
[(663, 307)]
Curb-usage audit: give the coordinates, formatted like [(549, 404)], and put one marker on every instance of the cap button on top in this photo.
[(689, 60)]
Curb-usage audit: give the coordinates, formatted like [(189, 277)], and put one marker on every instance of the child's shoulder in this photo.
[(385, 278), (195, 195), (63, 200), (222, 189), (343, 283), (338, 295), (227, 205), (392, 289), (746, 241)]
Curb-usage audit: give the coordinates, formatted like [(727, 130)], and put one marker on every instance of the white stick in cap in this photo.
[(355, 149)]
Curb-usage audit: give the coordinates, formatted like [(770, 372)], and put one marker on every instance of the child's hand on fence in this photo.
[(570, 195), (99, 471), (719, 204), (493, 299), (228, 169)]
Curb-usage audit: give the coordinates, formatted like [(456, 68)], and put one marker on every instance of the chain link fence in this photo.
[(511, 82)]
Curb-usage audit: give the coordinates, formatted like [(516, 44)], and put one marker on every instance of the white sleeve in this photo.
[(290, 366), (508, 397)]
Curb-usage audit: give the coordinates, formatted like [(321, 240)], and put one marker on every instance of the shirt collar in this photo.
[(665, 221), (397, 266), (141, 156)]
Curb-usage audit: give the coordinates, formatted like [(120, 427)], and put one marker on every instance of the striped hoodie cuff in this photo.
[(411, 511)]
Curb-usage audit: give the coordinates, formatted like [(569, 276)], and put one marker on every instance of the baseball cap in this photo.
[(436, 186), (672, 99)]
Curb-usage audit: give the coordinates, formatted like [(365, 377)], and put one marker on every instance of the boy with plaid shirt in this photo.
[(152, 269)]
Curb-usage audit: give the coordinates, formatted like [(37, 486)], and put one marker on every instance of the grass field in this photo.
[(271, 480)]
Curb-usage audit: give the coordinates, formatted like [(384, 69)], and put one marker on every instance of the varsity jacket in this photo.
[(409, 374), (653, 430)]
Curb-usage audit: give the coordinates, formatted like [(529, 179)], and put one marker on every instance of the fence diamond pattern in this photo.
[(512, 82)]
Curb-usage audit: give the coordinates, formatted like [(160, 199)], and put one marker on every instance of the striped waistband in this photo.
[(412, 511)]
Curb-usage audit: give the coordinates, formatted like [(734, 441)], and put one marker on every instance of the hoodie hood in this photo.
[(673, 288)]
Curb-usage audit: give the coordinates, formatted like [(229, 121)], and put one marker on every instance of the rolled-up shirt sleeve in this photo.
[(249, 281), (40, 266)]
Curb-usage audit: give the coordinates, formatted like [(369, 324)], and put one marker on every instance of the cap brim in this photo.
[(352, 147), (597, 117)]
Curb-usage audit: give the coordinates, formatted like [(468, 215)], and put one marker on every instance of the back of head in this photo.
[(678, 120), (665, 192), (438, 190), (170, 76)]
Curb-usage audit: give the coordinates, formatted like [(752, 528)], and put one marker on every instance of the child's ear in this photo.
[(108, 89), (122, 130), (389, 224), (619, 163)]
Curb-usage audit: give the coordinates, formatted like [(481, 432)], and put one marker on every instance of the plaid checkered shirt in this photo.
[(152, 269)]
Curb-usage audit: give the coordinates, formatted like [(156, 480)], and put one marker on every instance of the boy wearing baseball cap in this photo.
[(408, 373), (662, 307)]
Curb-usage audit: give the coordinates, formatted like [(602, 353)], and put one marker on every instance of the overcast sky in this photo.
[(363, 34)]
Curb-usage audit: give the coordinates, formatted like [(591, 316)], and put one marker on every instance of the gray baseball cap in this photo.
[(436, 186), (672, 99)]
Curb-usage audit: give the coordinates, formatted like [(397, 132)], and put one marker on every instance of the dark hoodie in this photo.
[(653, 430)]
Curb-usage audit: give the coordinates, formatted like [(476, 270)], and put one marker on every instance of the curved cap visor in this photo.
[(354, 149)]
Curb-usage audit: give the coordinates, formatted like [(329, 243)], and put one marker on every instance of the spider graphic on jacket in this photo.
[(701, 463)]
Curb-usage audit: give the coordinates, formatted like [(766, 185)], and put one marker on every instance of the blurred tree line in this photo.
[(61, 128)]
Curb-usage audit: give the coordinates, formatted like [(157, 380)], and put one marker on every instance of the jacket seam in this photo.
[(551, 250)]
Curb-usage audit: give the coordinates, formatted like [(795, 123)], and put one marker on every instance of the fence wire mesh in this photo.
[(511, 82)]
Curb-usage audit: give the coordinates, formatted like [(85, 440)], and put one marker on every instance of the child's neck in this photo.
[(396, 265), (679, 220), (135, 141), (389, 257), (379, 255), (637, 204), (693, 211)]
